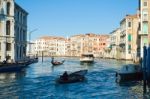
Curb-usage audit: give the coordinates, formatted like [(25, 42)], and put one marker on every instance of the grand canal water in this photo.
[(38, 82)]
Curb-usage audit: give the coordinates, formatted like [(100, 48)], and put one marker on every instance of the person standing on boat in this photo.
[(52, 60), (65, 76)]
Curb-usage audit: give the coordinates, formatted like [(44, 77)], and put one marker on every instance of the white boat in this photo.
[(87, 58)]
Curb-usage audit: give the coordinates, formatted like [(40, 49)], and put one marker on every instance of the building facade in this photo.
[(145, 25), (129, 37), (88, 43), (50, 46), (13, 31), (114, 44)]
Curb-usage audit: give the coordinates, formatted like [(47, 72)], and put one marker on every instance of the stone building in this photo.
[(50, 46), (144, 33), (129, 37), (13, 31)]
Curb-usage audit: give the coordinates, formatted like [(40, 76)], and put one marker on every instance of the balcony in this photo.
[(145, 19), (142, 33)]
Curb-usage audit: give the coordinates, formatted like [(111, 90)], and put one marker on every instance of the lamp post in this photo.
[(30, 39)]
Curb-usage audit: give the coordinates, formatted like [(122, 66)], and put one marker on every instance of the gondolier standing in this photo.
[(65, 76)]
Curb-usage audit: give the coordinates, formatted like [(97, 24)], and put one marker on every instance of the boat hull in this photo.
[(71, 79), (125, 77), (74, 77), (12, 67), (129, 72)]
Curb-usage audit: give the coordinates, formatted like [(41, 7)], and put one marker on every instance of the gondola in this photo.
[(57, 63), (73, 77)]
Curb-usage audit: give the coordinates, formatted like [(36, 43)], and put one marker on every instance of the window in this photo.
[(129, 24), (8, 8), (129, 48), (8, 46), (145, 41), (145, 28), (8, 28), (129, 37), (145, 4)]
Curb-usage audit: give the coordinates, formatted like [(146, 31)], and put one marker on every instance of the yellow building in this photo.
[(129, 37)]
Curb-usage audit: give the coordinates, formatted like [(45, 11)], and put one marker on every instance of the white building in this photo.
[(114, 44), (13, 31), (51, 46)]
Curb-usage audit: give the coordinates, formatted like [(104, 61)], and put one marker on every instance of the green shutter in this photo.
[(129, 37), (129, 47), (145, 40), (145, 28)]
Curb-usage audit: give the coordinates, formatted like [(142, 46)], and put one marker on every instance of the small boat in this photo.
[(73, 77), (56, 62), (129, 72), (87, 58)]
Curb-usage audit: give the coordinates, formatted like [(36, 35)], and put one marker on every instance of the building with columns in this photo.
[(13, 31)]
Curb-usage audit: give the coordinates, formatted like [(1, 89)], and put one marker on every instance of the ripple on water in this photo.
[(38, 82)]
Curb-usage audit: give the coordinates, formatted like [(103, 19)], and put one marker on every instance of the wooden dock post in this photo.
[(144, 68), (148, 67), (42, 56)]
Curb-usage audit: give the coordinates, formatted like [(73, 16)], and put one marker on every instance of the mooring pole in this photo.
[(42, 56), (144, 68), (148, 67)]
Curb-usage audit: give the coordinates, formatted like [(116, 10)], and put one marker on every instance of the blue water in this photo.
[(38, 82)]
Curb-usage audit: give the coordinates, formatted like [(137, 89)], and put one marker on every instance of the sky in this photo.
[(71, 17)]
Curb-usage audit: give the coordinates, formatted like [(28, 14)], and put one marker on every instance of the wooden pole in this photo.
[(148, 67), (144, 68), (42, 56)]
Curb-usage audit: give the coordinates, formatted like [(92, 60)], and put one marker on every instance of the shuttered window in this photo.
[(129, 37), (145, 28)]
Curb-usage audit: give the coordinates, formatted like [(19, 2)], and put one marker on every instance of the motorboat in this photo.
[(129, 72), (87, 58), (74, 77)]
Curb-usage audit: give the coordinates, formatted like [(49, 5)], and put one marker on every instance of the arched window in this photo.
[(8, 28), (8, 8)]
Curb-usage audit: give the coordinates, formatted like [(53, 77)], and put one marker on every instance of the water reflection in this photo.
[(12, 75)]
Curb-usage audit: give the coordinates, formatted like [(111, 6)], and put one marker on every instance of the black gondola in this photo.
[(73, 77), (56, 62)]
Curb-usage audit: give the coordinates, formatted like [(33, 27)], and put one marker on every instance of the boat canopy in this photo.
[(87, 55)]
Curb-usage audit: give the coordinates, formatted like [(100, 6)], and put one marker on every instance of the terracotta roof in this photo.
[(51, 37)]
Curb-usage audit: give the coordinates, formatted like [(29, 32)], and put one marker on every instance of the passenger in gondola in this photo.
[(65, 76), (4, 62)]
